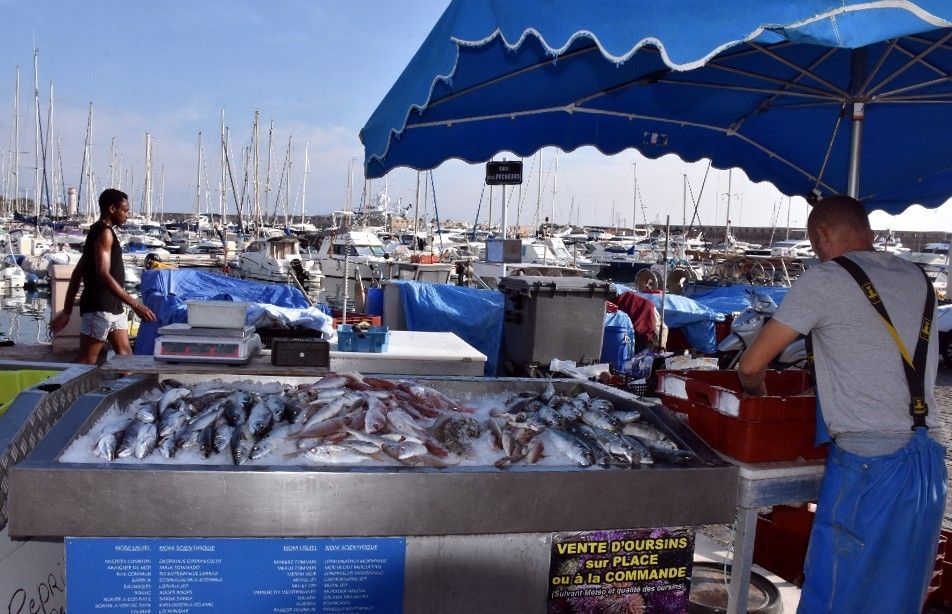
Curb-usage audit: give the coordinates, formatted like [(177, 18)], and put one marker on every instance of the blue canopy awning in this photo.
[(771, 86)]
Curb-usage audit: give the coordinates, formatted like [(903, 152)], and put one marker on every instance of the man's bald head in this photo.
[(839, 224)]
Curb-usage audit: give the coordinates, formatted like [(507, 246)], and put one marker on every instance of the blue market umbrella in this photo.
[(826, 96)]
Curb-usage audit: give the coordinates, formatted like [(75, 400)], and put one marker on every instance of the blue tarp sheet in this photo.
[(730, 299), (165, 292), (472, 314), (682, 312)]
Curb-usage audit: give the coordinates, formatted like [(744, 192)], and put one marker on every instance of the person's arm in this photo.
[(103, 251), (61, 319), (773, 338)]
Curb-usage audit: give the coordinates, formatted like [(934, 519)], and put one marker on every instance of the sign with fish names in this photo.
[(182, 576), (503, 173), (636, 570)]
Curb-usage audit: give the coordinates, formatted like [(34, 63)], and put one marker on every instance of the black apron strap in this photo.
[(914, 364)]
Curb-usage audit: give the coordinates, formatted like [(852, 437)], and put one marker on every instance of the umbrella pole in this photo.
[(856, 142)]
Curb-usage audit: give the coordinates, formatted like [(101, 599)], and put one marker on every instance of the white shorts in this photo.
[(98, 324)]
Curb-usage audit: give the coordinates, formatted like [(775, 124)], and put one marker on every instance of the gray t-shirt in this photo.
[(861, 383)]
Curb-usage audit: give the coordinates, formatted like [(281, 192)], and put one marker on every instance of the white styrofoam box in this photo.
[(216, 314)]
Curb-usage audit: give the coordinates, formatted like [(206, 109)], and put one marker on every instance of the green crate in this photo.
[(16, 381)]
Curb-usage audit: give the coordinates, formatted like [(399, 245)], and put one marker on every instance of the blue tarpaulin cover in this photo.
[(165, 292), (474, 315), (731, 299), (767, 86)]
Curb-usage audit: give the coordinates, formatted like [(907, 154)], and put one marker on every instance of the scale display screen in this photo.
[(199, 349)]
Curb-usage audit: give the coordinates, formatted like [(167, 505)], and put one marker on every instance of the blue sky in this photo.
[(318, 70)]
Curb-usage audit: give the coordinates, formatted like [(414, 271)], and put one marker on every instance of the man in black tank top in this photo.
[(101, 270)]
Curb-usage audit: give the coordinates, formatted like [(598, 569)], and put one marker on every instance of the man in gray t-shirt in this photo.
[(881, 502)]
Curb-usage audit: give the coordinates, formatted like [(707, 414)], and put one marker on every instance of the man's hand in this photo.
[(59, 321), (773, 338), (143, 312)]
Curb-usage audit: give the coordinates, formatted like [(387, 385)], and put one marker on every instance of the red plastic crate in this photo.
[(780, 545), (354, 318), (780, 426)]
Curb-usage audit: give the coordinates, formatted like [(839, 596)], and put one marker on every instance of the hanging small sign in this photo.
[(637, 570), (503, 173)]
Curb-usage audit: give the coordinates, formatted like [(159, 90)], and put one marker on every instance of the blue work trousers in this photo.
[(875, 535)]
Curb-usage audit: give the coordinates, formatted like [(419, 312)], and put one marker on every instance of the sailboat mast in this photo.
[(555, 183), (147, 188), (162, 194), (267, 179), (307, 164), (89, 164), (48, 155), (16, 142), (539, 193), (634, 199), (221, 185), (787, 236), (727, 224), (36, 135), (198, 178), (254, 161)]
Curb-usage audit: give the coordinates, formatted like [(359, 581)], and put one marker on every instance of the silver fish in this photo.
[(645, 432), (404, 450), (128, 440), (172, 396), (206, 440), (187, 438), (629, 449), (222, 438), (627, 417), (335, 455), (331, 380), (208, 416), (242, 441), (602, 404), (148, 412), (146, 439), (168, 447), (108, 445), (260, 419), (571, 446), (275, 404), (263, 447), (601, 419), (328, 411), (172, 421), (548, 393)]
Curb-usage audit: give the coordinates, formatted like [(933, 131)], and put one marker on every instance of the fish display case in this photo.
[(33, 396), (274, 498)]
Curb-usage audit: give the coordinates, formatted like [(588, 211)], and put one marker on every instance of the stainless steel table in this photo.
[(763, 485)]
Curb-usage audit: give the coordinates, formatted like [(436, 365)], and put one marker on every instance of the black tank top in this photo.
[(96, 295)]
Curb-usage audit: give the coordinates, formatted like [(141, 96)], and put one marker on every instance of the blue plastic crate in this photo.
[(374, 339)]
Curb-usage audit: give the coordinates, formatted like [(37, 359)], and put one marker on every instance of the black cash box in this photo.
[(300, 353)]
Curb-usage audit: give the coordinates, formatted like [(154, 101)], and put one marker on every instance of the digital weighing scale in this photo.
[(184, 343)]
